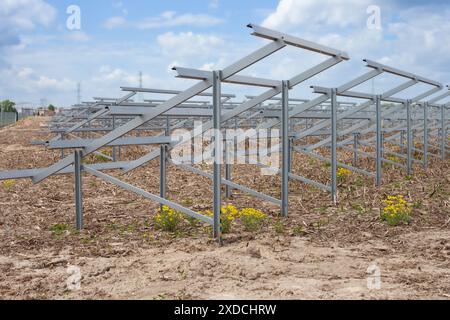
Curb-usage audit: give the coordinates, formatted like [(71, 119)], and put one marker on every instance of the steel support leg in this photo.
[(285, 149), (114, 148), (355, 148), (409, 133), (167, 130), (379, 154), (62, 150), (334, 145), (78, 190), (291, 152), (443, 133), (228, 168), (425, 135), (217, 153), (402, 141), (163, 172)]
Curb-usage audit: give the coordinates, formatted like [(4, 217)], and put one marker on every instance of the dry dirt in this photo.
[(322, 251)]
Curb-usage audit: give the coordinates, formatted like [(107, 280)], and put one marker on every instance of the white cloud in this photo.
[(28, 80), (17, 16), (25, 14), (209, 66), (166, 19), (108, 75), (214, 4), (172, 19), (118, 4), (186, 44), (292, 13), (78, 36), (114, 22)]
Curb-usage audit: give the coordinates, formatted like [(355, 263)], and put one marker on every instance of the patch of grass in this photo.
[(168, 219), (396, 210), (7, 185), (112, 226), (59, 229), (299, 231), (342, 173), (417, 204), (320, 224), (279, 226), (192, 221), (394, 159), (252, 219), (228, 213), (397, 185), (188, 202), (148, 237), (161, 296), (87, 239), (360, 209), (321, 210), (359, 182)]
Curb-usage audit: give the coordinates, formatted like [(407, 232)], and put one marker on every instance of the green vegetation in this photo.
[(396, 210), (59, 229), (8, 184), (252, 219), (8, 106)]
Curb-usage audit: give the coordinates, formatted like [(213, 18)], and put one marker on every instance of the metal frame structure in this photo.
[(332, 125)]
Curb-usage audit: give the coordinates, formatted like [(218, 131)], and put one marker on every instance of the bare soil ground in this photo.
[(322, 251)]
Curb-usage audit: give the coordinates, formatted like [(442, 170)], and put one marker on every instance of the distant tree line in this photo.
[(8, 106)]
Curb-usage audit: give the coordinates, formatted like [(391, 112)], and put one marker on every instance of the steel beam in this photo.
[(78, 189), (333, 98), (217, 77), (285, 149), (297, 42), (379, 139), (178, 99)]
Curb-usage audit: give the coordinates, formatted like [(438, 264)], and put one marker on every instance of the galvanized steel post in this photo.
[(114, 148), (163, 171), (334, 144), (228, 147), (409, 133), (62, 150), (402, 140), (355, 148), (285, 149), (291, 152), (379, 147), (425, 134), (443, 133), (217, 152), (78, 190)]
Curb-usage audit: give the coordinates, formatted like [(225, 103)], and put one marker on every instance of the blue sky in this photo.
[(41, 58)]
